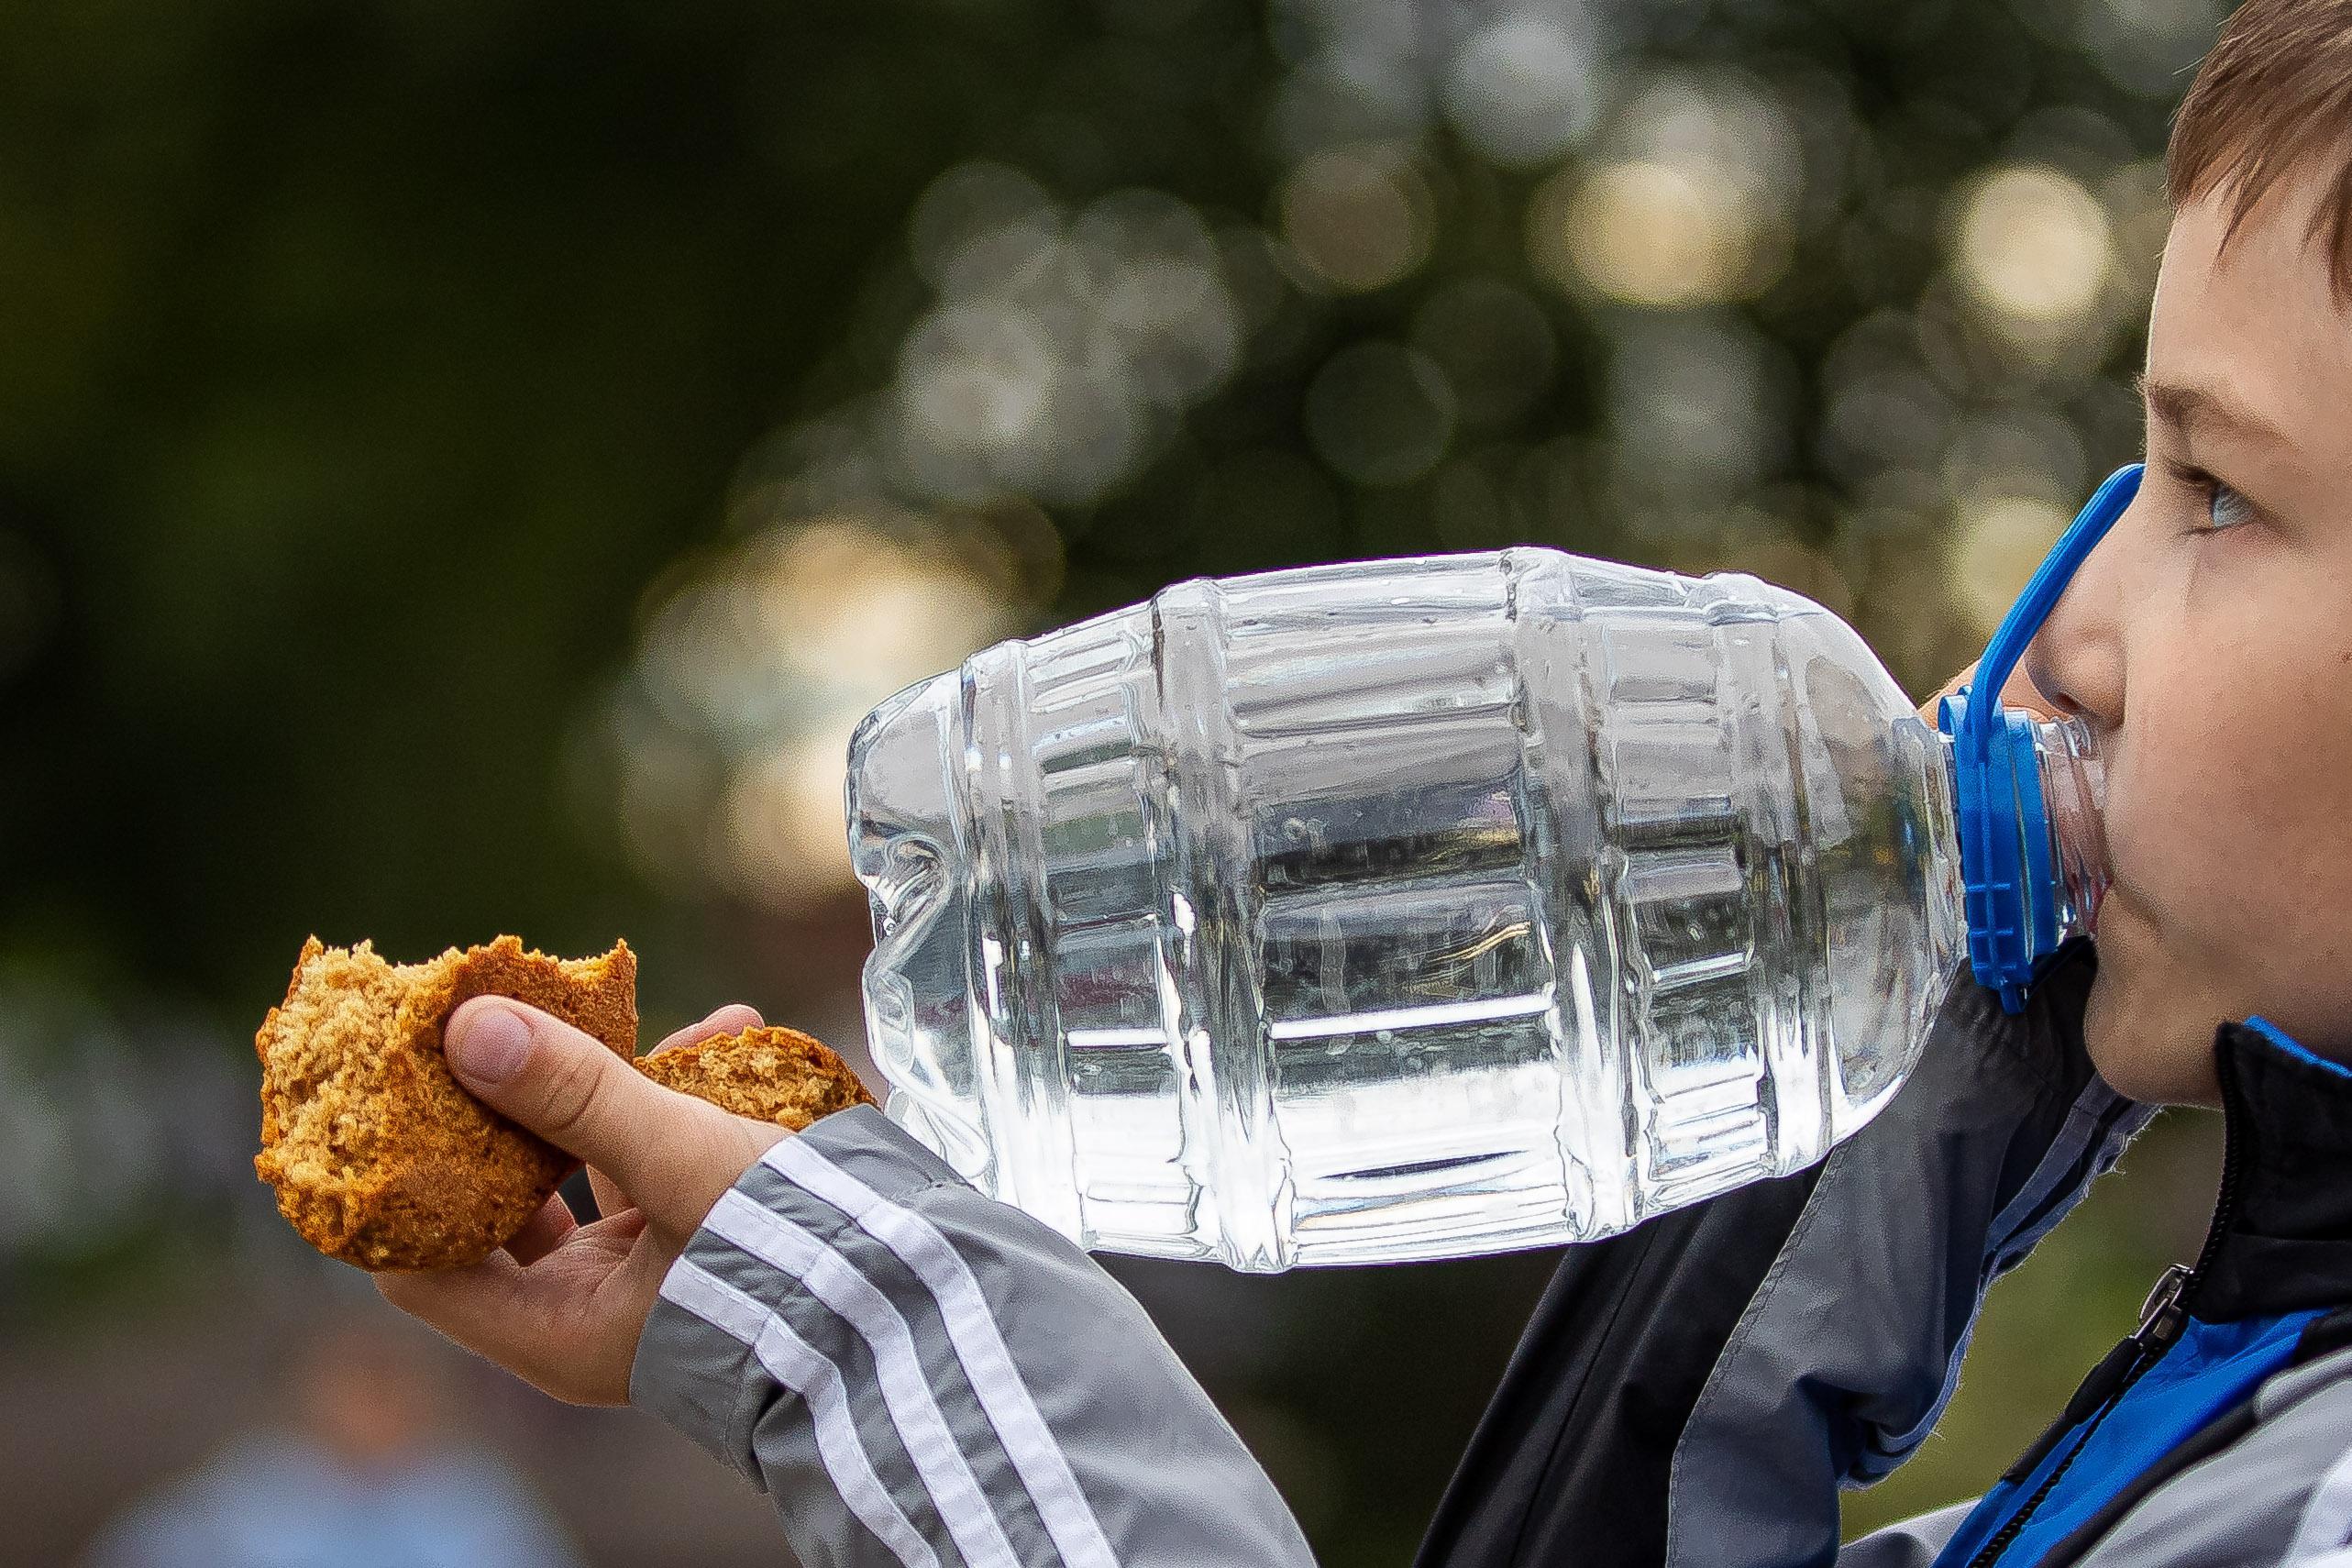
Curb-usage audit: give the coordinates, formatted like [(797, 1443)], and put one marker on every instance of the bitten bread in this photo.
[(378, 1156), (771, 1073)]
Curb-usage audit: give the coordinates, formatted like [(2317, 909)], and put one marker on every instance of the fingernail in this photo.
[(490, 1046)]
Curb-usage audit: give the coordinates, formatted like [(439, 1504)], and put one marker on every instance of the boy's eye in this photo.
[(2224, 507)]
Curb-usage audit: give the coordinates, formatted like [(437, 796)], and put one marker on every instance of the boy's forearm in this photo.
[(917, 1375)]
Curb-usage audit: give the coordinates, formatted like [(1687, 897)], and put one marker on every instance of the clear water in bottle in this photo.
[(1409, 909)]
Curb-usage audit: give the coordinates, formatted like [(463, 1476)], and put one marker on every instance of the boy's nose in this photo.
[(2076, 659)]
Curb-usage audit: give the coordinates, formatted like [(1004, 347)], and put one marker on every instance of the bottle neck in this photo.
[(2074, 800)]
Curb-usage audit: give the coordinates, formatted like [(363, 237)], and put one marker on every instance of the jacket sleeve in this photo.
[(1695, 1392), (917, 1375)]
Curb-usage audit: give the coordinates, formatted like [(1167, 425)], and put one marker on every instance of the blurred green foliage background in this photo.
[(464, 469)]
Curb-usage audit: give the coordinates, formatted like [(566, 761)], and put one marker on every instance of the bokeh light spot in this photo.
[(976, 223), (2034, 247), (1996, 544), (1521, 87), (1650, 234), (1688, 202), (755, 665), (1696, 404), (1357, 219)]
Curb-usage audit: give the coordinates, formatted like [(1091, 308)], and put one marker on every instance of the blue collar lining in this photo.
[(2295, 1048)]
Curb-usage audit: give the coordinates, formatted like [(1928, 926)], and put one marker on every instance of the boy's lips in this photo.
[(2104, 889)]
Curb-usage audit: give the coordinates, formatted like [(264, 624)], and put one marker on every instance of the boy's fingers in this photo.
[(543, 1232), (488, 1307), (553, 1079), (732, 1019), (617, 1232), (609, 1198), (540, 1322), (671, 1153)]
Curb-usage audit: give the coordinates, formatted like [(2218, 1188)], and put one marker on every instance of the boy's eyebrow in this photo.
[(2188, 409)]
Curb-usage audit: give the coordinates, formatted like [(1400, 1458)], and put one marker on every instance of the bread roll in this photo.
[(378, 1155)]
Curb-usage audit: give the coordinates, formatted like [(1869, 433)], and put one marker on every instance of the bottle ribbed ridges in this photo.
[(1019, 1045), (1482, 914), (1113, 865), (1680, 857), (1410, 992)]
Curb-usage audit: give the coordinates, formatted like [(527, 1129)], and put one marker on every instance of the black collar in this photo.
[(2282, 1238)]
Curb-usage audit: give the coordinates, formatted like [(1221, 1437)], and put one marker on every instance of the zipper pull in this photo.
[(2162, 1320), (2161, 1316)]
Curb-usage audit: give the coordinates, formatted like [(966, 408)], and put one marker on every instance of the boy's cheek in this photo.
[(2214, 785), (2143, 1026), (2169, 934), (2226, 801)]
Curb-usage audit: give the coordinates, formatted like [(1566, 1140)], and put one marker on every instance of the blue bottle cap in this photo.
[(2013, 890)]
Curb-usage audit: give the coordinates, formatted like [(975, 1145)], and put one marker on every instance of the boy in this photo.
[(920, 1375)]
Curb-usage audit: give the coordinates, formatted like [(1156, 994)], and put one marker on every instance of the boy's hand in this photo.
[(562, 1304), (2020, 693)]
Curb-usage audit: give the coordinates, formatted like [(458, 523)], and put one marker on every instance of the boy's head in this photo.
[(2208, 639)]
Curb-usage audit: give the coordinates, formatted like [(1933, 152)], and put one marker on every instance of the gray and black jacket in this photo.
[(919, 1376)]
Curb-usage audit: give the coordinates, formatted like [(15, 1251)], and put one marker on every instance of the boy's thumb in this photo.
[(565, 1086)]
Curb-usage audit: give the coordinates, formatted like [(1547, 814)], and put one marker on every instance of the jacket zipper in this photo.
[(2163, 1317), (2160, 1323)]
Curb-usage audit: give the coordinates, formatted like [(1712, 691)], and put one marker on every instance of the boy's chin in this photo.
[(2145, 1047)]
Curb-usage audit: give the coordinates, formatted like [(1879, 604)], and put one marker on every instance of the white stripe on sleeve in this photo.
[(833, 1280), (972, 1329), (799, 1366)]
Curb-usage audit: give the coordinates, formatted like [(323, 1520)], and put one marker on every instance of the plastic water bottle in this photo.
[(1423, 908)]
